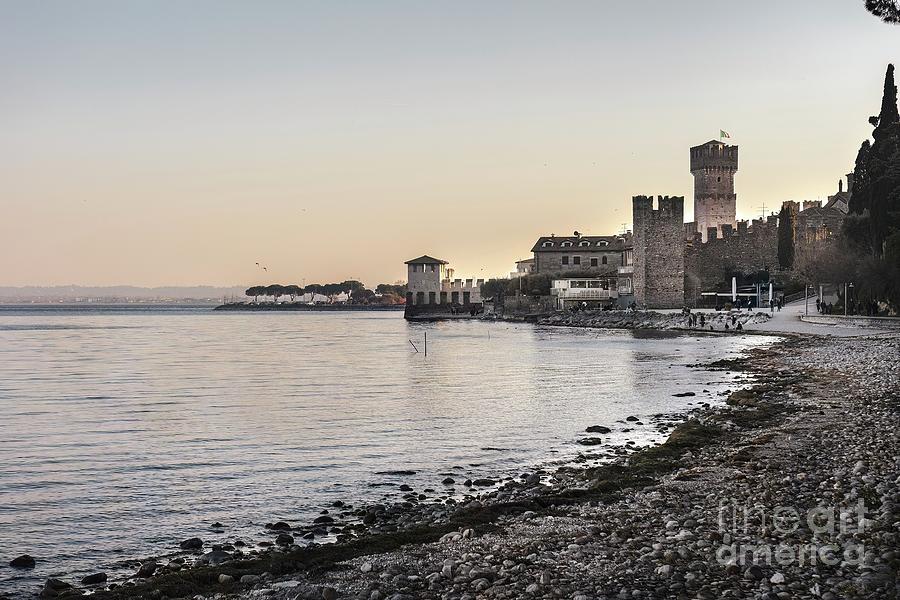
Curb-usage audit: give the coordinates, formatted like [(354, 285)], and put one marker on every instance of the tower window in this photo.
[(718, 179)]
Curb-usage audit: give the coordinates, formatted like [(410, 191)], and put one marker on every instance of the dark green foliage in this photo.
[(876, 188), (396, 289), (786, 238), (886, 10), (358, 292), (870, 231)]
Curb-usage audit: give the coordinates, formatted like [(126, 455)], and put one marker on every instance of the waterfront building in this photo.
[(816, 222), (523, 267), (590, 254), (593, 292), (430, 283)]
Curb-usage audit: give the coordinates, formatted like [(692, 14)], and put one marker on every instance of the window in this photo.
[(566, 244), (603, 243), (565, 260), (584, 243), (443, 297), (454, 297), (576, 260), (432, 268), (593, 284), (604, 260), (431, 298), (547, 245), (593, 262), (420, 297)]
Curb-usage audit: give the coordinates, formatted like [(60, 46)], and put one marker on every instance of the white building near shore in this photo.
[(430, 282)]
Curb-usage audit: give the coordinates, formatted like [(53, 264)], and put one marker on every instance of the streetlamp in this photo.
[(846, 298)]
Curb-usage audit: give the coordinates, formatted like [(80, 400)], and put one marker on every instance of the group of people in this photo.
[(776, 303), (863, 308), (699, 320)]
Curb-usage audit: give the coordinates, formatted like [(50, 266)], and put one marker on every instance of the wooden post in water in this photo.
[(426, 344)]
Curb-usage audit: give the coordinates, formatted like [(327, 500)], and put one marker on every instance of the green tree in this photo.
[(786, 237), (292, 290), (362, 296), (886, 10), (876, 178), (256, 291), (275, 290)]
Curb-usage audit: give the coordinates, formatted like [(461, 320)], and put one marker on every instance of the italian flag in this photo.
[(723, 134)]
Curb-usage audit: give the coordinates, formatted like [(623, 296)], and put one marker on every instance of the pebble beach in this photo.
[(791, 489)]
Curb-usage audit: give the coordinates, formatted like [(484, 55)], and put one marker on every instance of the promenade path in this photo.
[(787, 320)]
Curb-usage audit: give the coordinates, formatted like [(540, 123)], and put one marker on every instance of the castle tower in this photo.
[(713, 166), (658, 251)]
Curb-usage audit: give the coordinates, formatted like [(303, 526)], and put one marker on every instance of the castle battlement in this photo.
[(713, 166), (714, 155), (666, 206), (746, 230)]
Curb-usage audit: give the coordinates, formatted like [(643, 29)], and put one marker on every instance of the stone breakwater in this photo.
[(648, 319), (803, 467)]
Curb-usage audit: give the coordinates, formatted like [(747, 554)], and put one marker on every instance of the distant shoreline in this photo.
[(308, 307)]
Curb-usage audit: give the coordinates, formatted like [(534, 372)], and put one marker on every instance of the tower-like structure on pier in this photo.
[(713, 166)]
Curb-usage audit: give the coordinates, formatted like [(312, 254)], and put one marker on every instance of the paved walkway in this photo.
[(787, 320)]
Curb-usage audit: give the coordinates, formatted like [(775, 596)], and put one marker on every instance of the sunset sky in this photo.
[(179, 143)]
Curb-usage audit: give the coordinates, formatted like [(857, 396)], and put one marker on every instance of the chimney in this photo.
[(840, 185)]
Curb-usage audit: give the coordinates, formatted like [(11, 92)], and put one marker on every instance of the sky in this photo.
[(180, 143)]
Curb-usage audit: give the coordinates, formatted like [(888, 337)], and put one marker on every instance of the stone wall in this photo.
[(713, 166), (658, 251), (550, 263), (750, 249)]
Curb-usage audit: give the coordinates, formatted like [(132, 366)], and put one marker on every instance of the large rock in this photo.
[(193, 543), (591, 441), (216, 557), (147, 570), (598, 429), (25, 561), (54, 588), (94, 579)]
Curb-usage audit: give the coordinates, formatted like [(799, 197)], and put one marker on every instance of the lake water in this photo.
[(123, 432)]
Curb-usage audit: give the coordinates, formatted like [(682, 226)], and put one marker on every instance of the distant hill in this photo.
[(118, 293)]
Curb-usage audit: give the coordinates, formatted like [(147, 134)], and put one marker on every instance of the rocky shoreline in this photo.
[(648, 319), (817, 427)]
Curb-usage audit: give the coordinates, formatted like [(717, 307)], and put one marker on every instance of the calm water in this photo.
[(123, 432)]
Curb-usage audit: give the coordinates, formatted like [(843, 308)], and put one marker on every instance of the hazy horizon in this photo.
[(180, 146)]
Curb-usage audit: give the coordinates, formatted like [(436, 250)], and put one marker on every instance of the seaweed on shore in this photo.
[(748, 409)]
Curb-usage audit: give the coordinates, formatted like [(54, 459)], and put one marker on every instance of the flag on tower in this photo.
[(723, 134)]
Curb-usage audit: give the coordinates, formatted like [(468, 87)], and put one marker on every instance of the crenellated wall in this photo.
[(753, 247)]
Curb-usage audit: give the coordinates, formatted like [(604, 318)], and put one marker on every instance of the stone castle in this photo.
[(674, 262), (658, 279), (713, 166), (664, 262)]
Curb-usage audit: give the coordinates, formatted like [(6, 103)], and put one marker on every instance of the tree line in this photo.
[(866, 252), (384, 293)]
